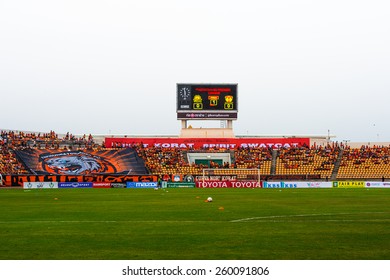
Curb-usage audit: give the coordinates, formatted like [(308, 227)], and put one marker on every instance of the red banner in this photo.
[(208, 143), (101, 185)]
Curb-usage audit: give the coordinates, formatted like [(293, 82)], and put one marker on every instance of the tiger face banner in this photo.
[(60, 162)]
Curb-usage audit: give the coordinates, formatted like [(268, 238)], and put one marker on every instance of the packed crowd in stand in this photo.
[(366, 162), (173, 161), (51, 140), (337, 160), (11, 140), (304, 160)]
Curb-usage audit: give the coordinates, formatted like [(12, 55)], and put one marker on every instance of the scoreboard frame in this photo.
[(206, 101)]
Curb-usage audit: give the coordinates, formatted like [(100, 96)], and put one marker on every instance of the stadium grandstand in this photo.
[(192, 156), (28, 154)]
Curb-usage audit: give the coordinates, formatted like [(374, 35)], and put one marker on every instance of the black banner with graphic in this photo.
[(62, 162)]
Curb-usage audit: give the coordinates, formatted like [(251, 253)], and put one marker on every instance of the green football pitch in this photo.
[(177, 224)]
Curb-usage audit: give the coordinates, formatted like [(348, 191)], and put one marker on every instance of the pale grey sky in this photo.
[(302, 67)]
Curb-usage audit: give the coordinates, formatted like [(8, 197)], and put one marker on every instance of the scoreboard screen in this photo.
[(206, 100)]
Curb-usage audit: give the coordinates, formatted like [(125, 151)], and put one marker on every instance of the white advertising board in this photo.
[(377, 184), (40, 185), (296, 184)]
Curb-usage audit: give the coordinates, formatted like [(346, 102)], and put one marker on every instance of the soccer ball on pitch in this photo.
[(209, 199)]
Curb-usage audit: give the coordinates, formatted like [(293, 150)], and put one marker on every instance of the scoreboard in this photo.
[(207, 101)]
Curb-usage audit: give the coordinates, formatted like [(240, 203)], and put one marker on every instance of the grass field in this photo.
[(252, 224)]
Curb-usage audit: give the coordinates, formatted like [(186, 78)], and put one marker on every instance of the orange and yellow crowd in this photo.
[(11, 140), (339, 161)]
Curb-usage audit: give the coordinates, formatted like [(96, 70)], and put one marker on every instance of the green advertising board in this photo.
[(180, 185)]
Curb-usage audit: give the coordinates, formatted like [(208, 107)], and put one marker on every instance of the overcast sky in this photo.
[(111, 67)]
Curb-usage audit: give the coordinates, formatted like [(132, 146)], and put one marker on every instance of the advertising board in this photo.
[(101, 185), (141, 185), (311, 185), (118, 180), (277, 185), (118, 185), (377, 184), (228, 184), (180, 185), (75, 185), (349, 184), (296, 185), (40, 185)]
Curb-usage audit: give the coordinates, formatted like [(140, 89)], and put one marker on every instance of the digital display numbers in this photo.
[(207, 97)]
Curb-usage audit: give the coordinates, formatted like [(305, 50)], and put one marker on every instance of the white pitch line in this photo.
[(322, 221), (201, 221), (302, 215)]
